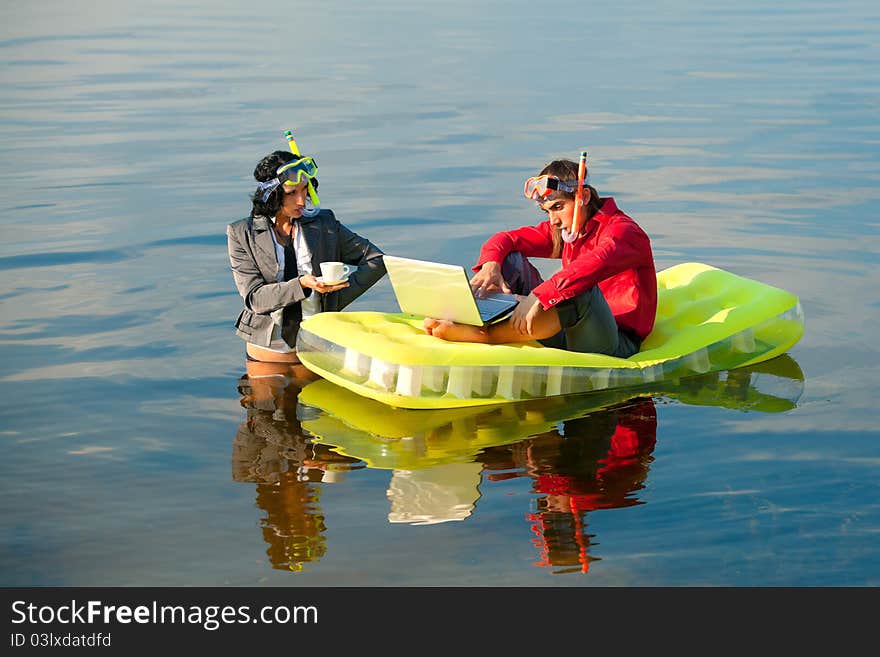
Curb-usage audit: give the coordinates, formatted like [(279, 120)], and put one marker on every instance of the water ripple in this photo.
[(62, 258), (73, 325)]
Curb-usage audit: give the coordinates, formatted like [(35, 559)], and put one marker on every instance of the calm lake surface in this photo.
[(137, 453)]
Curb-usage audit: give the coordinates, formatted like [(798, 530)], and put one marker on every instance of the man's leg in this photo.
[(588, 323), (521, 275)]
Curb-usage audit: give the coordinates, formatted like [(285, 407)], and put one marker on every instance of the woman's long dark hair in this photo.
[(568, 171), (265, 170)]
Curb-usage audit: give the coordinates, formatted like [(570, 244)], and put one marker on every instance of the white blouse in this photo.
[(310, 305)]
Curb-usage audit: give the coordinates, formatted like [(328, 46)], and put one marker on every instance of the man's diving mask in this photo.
[(541, 188), (538, 188), (293, 173)]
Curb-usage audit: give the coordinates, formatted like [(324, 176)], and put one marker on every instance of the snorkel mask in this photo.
[(540, 189), (293, 173)]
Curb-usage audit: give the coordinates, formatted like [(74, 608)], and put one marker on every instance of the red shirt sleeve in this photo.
[(531, 241)]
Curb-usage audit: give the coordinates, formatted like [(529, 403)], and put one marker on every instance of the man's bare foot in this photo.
[(452, 332), (429, 325)]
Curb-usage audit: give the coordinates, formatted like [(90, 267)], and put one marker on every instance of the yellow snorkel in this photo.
[(288, 135), (291, 143)]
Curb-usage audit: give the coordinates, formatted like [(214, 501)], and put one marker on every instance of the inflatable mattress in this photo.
[(708, 319)]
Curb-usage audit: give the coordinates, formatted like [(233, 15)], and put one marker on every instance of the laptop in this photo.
[(433, 289)]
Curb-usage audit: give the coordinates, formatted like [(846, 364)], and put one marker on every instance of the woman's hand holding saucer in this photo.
[(318, 285)]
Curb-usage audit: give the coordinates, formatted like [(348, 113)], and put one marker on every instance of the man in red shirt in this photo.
[(602, 300)]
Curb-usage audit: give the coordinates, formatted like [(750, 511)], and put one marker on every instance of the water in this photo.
[(738, 135)]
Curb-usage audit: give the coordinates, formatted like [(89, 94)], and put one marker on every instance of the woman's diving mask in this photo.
[(293, 173)]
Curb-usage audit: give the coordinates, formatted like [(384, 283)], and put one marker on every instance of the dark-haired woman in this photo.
[(275, 255), (603, 299)]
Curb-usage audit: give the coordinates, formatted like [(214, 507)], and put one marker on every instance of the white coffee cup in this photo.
[(335, 271)]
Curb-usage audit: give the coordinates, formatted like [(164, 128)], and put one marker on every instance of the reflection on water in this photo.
[(440, 493), (271, 451), (598, 461), (580, 453)]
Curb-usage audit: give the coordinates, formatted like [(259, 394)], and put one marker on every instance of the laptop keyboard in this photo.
[(490, 307)]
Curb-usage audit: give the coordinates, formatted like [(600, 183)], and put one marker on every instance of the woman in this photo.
[(603, 299), (276, 252)]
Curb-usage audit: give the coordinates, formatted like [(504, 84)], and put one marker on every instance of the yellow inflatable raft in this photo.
[(708, 320)]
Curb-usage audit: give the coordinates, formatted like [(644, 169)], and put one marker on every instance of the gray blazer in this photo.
[(255, 269)]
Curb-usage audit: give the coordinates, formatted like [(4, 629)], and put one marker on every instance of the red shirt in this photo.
[(614, 253)]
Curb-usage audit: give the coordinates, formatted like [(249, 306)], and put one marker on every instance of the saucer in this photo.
[(321, 280)]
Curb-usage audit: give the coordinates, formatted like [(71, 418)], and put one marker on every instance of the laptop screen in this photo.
[(433, 289)]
